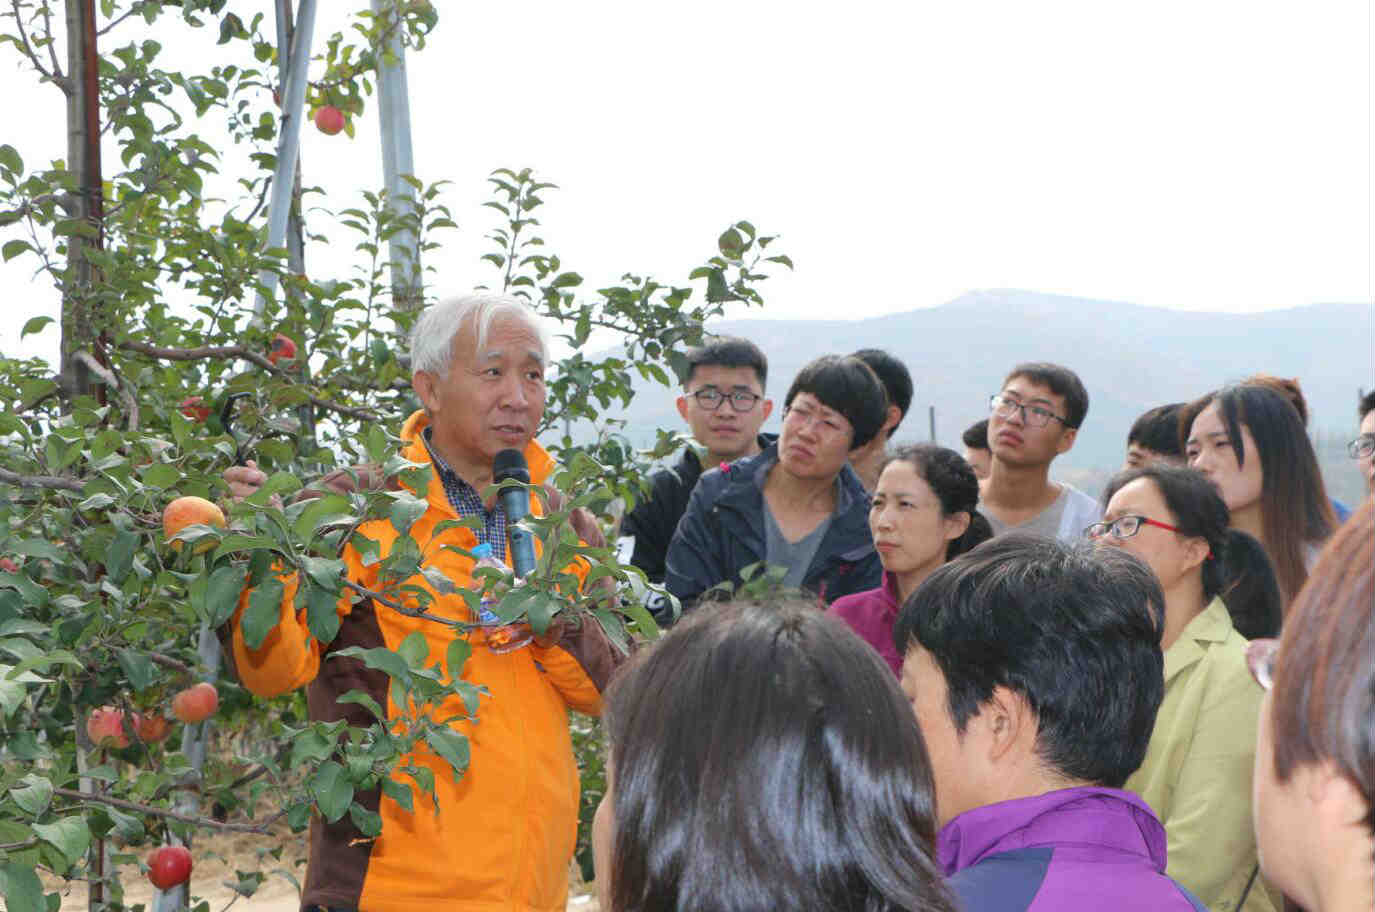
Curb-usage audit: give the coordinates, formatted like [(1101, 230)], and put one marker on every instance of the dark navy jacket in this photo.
[(722, 532), (652, 523), (1072, 850)]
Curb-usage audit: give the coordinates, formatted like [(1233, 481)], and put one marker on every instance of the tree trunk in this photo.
[(79, 300)]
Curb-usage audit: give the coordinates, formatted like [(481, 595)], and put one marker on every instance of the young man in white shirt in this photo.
[(1034, 418)]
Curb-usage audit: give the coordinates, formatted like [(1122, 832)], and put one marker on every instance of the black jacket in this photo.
[(722, 532), (653, 520)]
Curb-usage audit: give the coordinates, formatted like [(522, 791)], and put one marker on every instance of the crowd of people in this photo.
[(973, 687)]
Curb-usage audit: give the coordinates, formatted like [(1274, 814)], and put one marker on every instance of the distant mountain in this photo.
[(1130, 357)]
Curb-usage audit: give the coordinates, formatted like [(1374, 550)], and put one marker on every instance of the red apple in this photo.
[(283, 348), (151, 729), (169, 866), (196, 704), (105, 726), (8, 565), (194, 407), (329, 120)]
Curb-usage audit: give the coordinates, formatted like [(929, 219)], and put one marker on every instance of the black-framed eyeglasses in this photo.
[(1033, 415), (1260, 658), (1124, 526), (710, 399), (1361, 447)]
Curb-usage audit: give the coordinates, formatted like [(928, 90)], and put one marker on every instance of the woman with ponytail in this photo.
[(1197, 771), (924, 512)]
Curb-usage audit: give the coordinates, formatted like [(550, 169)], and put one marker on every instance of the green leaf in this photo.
[(34, 325), (332, 791), (378, 658), (21, 888), (324, 572), (368, 822), (731, 244), (96, 502), (222, 593), (33, 794), (322, 613), (452, 746), (119, 557), (456, 656), (366, 701), (12, 688), (9, 158), (264, 610), (310, 746), (37, 547), (70, 836), (160, 475), (11, 250), (407, 509), (414, 649), (399, 792), (138, 668)]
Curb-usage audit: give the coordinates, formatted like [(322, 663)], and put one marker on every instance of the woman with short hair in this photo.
[(762, 757), (1315, 749)]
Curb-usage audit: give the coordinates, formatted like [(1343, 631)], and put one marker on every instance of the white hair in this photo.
[(432, 338)]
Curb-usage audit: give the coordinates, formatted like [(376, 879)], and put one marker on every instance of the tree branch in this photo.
[(239, 351), (116, 22), (167, 661), (58, 76), (402, 609), (26, 47), (57, 482), (104, 373), (204, 822)]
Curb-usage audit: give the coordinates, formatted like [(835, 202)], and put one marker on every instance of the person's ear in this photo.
[(426, 386), (767, 406), (1196, 552), (682, 407), (1066, 440), (1008, 721), (894, 417), (956, 524)]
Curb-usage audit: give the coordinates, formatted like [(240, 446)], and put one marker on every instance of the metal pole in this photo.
[(394, 113), (932, 416), (288, 146)]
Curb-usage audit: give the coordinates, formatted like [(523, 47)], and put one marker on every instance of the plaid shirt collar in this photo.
[(466, 502)]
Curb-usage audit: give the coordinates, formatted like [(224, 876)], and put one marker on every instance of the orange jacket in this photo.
[(505, 832)]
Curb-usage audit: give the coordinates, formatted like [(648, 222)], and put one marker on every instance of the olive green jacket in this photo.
[(1197, 771)]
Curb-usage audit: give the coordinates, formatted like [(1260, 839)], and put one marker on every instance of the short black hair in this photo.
[(1073, 629), (893, 374), (849, 386), (1062, 381), (1367, 405), (727, 351), (976, 435), (1158, 430), (764, 757)]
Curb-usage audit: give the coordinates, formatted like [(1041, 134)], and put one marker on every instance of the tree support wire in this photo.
[(288, 145), (394, 111)]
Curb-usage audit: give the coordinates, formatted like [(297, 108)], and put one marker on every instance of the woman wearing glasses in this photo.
[(1315, 750), (797, 505), (1197, 771), (1249, 441), (924, 512)]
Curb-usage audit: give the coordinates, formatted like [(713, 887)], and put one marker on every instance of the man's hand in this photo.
[(245, 480)]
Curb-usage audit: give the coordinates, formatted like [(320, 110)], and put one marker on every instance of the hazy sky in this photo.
[(1202, 156)]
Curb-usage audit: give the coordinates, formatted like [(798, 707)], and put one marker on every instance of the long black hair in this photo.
[(763, 757), (1295, 509), (1238, 569), (955, 485)]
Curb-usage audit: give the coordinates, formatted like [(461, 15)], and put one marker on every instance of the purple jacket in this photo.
[(1068, 850), (871, 614)]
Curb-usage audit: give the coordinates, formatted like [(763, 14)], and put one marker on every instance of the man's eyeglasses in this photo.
[(1124, 527), (1361, 447), (710, 399), (1033, 415), (1260, 658)]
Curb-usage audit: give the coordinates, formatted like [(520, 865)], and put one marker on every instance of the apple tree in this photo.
[(178, 360)]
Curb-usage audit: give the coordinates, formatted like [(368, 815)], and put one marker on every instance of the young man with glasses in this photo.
[(796, 505), (1362, 449), (1032, 420), (723, 403)]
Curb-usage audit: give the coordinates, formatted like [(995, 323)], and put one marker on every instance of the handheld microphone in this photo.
[(510, 465)]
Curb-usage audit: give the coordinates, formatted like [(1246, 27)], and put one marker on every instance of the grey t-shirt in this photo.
[(1064, 519), (796, 556)]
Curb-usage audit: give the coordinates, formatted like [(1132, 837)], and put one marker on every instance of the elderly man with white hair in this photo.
[(504, 833)]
